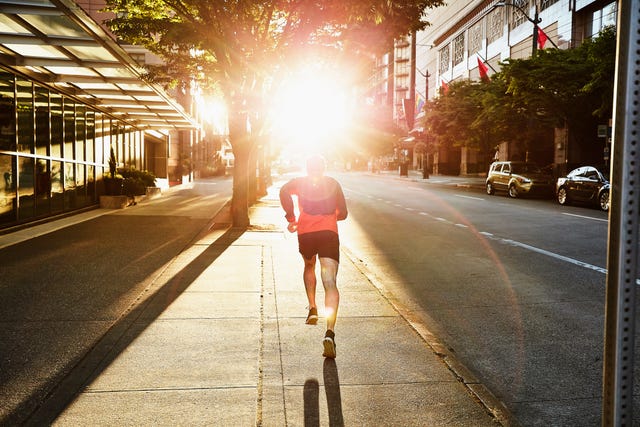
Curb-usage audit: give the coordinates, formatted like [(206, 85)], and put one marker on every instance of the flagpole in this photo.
[(540, 30), (535, 21), (486, 62)]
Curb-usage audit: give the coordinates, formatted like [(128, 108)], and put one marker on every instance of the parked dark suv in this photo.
[(519, 178)]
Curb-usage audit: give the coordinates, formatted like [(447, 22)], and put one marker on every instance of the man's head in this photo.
[(315, 166)]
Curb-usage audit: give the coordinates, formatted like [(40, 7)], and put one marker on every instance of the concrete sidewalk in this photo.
[(474, 182), (219, 339)]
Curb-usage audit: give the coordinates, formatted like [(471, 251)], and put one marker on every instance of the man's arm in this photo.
[(287, 201), (341, 204)]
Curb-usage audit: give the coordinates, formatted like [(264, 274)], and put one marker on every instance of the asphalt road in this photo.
[(515, 288)]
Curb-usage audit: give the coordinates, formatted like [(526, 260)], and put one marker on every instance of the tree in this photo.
[(527, 98), (565, 88), (245, 48)]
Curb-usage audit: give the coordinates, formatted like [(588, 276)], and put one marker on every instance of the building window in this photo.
[(458, 49), (603, 18), (52, 150), (43, 136), (475, 38), (544, 4), (517, 15), (444, 59), (24, 92), (495, 25)]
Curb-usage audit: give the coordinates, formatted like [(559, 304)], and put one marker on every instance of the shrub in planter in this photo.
[(113, 186), (137, 181), (114, 182), (146, 177), (134, 187)]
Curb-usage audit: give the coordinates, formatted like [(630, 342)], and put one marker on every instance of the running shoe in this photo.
[(329, 345), (312, 317)]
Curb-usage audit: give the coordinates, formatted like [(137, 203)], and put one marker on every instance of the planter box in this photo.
[(114, 202), (113, 186), (153, 192)]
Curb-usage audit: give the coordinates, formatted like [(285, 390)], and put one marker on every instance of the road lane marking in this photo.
[(469, 197), (552, 255), (586, 217), (520, 244)]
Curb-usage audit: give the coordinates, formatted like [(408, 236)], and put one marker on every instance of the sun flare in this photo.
[(310, 112)]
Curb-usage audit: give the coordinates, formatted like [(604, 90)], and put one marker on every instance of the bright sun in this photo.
[(310, 112)]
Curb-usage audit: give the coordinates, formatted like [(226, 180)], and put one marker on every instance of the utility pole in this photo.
[(426, 85), (535, 21), (624, 216)]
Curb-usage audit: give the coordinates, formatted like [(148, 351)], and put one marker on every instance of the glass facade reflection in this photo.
[(54, 151)]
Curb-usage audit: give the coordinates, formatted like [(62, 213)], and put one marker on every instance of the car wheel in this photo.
[(513, 191), (490, 189), (603, 201), (563, 197)]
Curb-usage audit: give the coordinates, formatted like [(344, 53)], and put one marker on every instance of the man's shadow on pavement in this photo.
[(332, 390)]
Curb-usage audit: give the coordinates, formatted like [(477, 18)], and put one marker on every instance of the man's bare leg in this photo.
[(328, 274), (309, 278)]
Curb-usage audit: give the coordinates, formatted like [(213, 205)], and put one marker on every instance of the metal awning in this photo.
[(56, 43)]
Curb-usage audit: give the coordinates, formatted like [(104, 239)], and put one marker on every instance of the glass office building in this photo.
[(68, 95)]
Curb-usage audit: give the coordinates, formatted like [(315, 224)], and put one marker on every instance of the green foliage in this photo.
[(148, 178), (561, 85), (528, 97), (232, 44), (213, 167), (133, 187), (244, 49), (113, 163), (601, 53), (136, 181)]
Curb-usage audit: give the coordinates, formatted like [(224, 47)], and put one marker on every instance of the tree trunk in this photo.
[(264, 171), (252, 179), (241, 144)]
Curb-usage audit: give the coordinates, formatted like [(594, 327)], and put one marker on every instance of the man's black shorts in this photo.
[(325, 244)]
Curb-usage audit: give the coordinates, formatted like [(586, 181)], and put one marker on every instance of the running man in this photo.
[(321, 203)]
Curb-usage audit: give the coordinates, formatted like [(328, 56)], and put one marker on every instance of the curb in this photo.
[(466, 185)]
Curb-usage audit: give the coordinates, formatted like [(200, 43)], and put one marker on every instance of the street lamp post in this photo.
[(535, 21), (425, 152)]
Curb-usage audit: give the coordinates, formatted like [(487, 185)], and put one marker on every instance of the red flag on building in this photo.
[(542, 38), (445, 87), (483, 70)]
